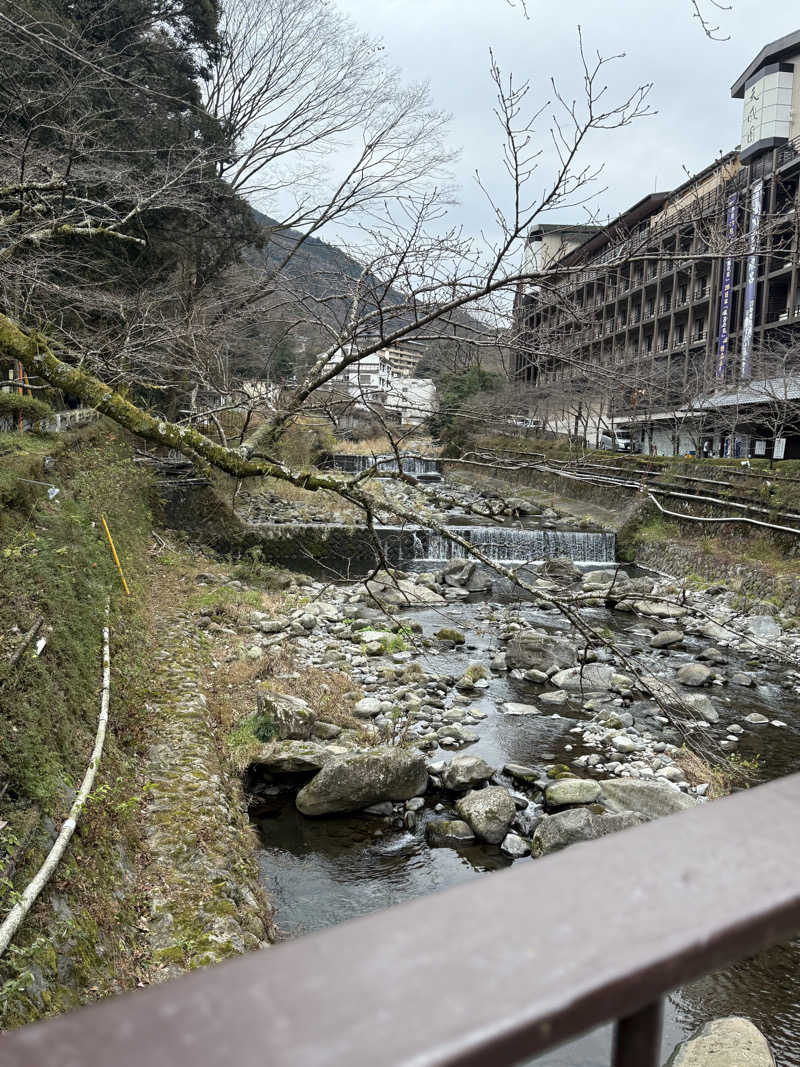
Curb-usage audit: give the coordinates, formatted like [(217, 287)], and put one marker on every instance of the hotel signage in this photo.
[(766, 121), (727, 289), (756, 200)]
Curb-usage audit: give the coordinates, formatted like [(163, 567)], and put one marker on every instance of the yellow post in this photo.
[(116, 557)]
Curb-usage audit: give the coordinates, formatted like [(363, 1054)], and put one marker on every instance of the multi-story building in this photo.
[(686, 294), (383, 379)]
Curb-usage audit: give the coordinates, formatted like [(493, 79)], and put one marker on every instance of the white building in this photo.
[(414, 399), (383, 378)]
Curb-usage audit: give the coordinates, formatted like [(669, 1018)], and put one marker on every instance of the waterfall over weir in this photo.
[(514, 545), (419, 466)]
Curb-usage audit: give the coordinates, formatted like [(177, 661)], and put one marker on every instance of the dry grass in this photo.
[(378, 445), (324, 690), (723, 779)]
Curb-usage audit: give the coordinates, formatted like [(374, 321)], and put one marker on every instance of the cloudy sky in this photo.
[(446, 43)]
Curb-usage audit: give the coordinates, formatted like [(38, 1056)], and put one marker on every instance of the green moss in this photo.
[(449, 634), (29, 407), (475, 672)]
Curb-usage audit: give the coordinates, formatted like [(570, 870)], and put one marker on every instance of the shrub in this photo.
[(30, 407)]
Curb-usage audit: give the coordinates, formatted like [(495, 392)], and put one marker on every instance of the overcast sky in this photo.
[(446, 43)]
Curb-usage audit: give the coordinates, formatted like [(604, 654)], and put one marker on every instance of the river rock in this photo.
[(542, 652), (577, 824), (520, 772), (556, 697), (656, 609), (714, 632), (515, 846), (701, 705), (740, 678), (650, 800), (448, 832), (561, 568), (325, 731), (292, 717), (604, 578), (762, 626), (464, 772), (489, 812), (457, 735), (756, 718), (358, 779), (367, 708), (693, 674), (465, 575), (400, 592), (730, 1042), (666, 638), (290, 757), (571, 791), (591, 676), (512, 707)]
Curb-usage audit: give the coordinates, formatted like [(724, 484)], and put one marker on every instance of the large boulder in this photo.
[(290, 757), (730, 1042), (657, 609), (541, 652), (591, 676), (602, 579), (571, 791), (400, 592), (608, 584), (666, 638), (763, 626), (651, 800), (577, 824), (358, 779), (561, 568), (292, 717), (465, 772), (461, 574), (694, 674), (701, 705), (489, 812)]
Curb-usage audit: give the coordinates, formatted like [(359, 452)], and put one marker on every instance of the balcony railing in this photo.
[(494, 971)]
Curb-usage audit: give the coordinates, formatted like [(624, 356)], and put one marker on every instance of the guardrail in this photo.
[(500, 969), (57, 422)]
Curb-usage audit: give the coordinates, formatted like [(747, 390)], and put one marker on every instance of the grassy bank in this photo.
[(55, 565)]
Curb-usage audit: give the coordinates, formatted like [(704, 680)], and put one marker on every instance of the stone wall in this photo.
[(678, 558), (615, 497)]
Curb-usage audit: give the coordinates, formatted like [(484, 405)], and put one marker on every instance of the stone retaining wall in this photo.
[(749, 579)]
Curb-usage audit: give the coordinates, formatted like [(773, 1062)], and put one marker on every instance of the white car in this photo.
[(614, 441)]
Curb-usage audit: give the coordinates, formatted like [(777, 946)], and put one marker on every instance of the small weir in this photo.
[(353, 547), (517, 545), (424, 467)]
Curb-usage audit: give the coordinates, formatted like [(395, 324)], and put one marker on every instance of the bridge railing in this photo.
[(491, 972)]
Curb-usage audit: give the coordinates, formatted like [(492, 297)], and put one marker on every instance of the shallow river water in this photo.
[(319, 872)]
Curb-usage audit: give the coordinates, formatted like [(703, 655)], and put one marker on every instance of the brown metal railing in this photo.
[(500, 969)]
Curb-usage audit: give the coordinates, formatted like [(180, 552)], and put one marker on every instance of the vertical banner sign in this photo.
[(727, 289), (756, 200)]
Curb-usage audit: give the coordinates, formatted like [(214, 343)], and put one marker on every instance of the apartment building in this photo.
[(690, 292)]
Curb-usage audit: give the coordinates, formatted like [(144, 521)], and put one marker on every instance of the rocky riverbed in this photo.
[(477, 726)]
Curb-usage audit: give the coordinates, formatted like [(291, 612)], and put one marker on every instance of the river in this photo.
[(319, 872)]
